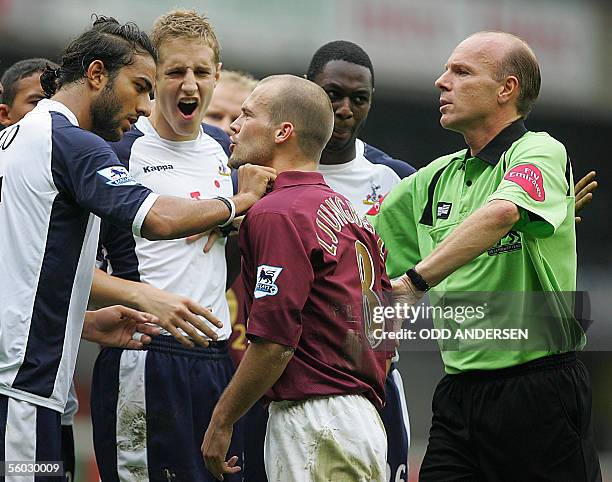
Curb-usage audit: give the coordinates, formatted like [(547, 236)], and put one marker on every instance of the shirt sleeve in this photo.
[(397, 226), (283, 278), (538, 180), (401, 168), (85, 168)]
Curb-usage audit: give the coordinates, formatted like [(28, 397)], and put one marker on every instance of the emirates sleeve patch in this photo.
[(529, 177)]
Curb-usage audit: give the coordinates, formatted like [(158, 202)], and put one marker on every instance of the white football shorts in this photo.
[(338, 438)]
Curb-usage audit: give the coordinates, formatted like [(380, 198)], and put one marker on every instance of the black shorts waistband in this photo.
[(169, 344), (551, 361)]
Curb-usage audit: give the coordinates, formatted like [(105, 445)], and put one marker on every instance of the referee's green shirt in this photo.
[(532, 170)]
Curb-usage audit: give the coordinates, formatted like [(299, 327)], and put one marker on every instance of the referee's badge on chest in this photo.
[(266, 281), (443, 210)]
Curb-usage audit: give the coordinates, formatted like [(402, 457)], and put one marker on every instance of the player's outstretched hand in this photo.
[(253, 182), (175, 311), (120, 326), (584, 192), (214, 450)]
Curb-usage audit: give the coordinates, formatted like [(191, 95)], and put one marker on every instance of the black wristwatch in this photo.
[(417, 280)]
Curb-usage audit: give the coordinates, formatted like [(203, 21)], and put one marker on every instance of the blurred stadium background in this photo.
[(408, 41)]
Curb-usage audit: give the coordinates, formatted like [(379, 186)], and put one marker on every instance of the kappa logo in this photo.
[(374, 196), (529, 177), (266, 281), (443, 210), (117, 176), (510, 242), (166, 167)]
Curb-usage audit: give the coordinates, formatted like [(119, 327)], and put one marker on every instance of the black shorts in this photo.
[(526, 423)]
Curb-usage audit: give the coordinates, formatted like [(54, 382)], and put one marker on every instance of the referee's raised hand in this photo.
[(584, 192)]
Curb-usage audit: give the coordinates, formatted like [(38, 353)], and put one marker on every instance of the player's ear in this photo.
[(97, 75), (5, 118), (283, 132)]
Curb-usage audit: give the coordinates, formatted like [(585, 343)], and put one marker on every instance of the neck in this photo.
[(293, 163), (479, 137), (73, 96), (339, 157)]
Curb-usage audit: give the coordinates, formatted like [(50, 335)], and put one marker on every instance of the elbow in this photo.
[(275, 354), (286, 355), (507, 213), (281, 358), (156, 227), (280, 355)]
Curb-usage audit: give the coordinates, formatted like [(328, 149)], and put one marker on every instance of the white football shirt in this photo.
[(194, 169), (363, 182)]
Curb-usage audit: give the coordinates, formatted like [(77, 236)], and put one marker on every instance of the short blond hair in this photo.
[(243, 80), (187, 24)]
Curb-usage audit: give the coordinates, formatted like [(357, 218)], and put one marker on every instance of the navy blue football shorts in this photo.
[(397, 425), (150, 410), (29, 434)]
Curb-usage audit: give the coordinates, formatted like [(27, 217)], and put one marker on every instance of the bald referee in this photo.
[(497, 217)]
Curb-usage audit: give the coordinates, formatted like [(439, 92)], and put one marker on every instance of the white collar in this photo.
[(55, 106)]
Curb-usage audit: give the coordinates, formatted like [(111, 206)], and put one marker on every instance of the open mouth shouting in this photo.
[(187, 107)]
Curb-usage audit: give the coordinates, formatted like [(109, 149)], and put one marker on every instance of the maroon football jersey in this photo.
[(309, 266)]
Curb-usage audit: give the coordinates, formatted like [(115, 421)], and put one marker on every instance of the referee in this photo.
[(497, 216)]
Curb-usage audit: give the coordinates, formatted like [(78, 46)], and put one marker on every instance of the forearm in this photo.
[(470, 239), (107, 290), (262, 365), (172, 217)]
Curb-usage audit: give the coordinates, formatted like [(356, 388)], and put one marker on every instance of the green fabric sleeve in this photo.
[(396, 224), (535, 180)]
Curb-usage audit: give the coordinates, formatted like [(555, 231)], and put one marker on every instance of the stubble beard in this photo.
[(258, 155), (104, 113), (235, 162)]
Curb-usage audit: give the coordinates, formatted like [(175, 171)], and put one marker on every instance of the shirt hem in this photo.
[(31, 398), (272, 338)]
